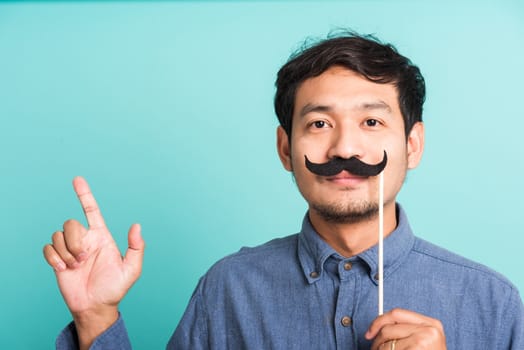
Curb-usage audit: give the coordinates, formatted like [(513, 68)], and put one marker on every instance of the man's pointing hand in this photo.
[(92, 275)]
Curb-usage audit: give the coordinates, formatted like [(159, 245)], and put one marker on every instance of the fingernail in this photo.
[(82, 256), (60, 266)]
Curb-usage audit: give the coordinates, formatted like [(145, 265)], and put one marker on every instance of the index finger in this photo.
[(88, 202)]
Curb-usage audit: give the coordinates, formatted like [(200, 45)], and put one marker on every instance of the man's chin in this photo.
[(348, 214)]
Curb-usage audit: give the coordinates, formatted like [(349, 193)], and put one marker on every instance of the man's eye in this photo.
[(371, 122), (319, 124)]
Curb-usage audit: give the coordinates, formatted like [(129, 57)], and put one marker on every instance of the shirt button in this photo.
[(313, 274), (348, 266), (346, 321)]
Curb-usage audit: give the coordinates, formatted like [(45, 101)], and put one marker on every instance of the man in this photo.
[(345, 98)]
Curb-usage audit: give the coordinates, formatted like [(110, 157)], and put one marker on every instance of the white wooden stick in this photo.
[(381, 244)]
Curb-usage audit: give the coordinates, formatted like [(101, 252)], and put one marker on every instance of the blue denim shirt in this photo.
[(298, 293)]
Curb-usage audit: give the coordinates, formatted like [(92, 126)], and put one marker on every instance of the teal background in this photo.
[(166, 109)]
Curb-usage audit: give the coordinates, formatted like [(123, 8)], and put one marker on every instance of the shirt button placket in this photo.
[(348, 275)]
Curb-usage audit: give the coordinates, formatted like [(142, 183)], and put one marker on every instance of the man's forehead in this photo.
[(340, 87)]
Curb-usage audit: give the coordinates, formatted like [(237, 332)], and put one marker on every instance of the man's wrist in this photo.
[(91, 324)]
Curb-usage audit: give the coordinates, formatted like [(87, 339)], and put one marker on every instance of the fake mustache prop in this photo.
[(353, 165)]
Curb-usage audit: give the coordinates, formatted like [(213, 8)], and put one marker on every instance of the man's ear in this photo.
[(415, 145), (284, 148)]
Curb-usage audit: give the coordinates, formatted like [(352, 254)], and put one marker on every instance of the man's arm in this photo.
[(91, 273), (510, 333), (192, 332), (114, 338)]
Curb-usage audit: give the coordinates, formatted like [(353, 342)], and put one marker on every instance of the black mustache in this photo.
[(353, 165)]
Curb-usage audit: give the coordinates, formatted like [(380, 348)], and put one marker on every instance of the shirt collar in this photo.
[(313, 251)]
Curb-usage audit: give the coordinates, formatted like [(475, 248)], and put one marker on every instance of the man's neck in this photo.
[(350, 239)]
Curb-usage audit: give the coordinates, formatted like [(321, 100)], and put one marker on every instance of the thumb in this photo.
[(135, 252)]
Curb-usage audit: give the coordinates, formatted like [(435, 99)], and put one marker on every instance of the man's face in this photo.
[(341, 114)]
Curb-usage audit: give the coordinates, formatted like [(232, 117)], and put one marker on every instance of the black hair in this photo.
[(363, 54)]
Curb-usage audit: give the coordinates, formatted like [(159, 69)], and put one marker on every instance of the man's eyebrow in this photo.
[(373, 105), (314, 108), (364, 106)]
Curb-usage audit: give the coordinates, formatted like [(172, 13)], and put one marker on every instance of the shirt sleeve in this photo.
[(191, 332), (511, 328), (517, 329), (114, 338)]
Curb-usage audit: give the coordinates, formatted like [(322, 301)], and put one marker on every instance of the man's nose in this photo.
[(347, 142)]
